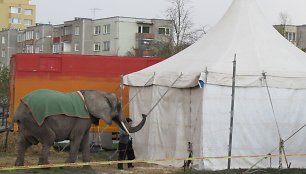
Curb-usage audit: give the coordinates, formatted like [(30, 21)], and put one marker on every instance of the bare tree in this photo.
[(284, 21), (180, 13), (4, 86)]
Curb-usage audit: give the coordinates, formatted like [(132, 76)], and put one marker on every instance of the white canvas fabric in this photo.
[(202, 117), (255, 127), (242, 31), (188, 113)]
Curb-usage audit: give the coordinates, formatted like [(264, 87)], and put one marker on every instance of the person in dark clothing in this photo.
[(125, 147)]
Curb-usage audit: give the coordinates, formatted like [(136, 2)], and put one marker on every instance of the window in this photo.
[(56, 48), (19, 37), (97, 30), (37, 49), (77, 30), (56, 33), (15, 20), (97, 46), (67, 31), (29, 35), (164, 30), (107, 29), (106, 46), (3, 40), (143, 29), (29, 49), (3, 53), (76, 47), (15, 10), (37, 35), (28, 11), (291, 36), (27, 22)]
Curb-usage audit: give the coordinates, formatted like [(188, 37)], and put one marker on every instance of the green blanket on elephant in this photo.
[(44, 103)]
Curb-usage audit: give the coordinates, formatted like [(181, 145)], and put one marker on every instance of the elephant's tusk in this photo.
[(125, 128), (82, 96)]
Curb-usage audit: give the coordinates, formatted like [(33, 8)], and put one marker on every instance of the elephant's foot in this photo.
[(19, 162), (43, 162), (72, 158)]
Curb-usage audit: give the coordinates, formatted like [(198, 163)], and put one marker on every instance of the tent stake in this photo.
[(232, 115)]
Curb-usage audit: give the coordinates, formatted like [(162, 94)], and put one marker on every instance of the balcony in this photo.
[(144, 53), (29, 42), (144, 36), (67, 38), (148, 53), (56, 39)]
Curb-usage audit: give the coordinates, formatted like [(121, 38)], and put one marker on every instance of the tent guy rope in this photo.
[(164, 94), (138, 92), (302, 127), (281, 141)]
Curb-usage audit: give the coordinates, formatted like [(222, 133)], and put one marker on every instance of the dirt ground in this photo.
[(7, 159)]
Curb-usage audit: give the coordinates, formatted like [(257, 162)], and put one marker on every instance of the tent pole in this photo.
[(232, 115), (206, 74)]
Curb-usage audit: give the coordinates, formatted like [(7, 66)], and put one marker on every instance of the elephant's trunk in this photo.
[(138, 127), (122, 121)]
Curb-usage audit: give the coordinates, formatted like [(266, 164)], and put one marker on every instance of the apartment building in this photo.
[(118, 36), (16, 14), (114, 36), (296, 34), (73, 37), (35, 39), (301, 40), (8, 45)]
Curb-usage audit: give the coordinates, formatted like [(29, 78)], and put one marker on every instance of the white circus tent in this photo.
[(269, 100)]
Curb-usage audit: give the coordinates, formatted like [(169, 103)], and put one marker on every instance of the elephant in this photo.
[(59, 127)]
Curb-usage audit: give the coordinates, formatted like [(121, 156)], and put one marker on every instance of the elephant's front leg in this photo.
[(23, 146), (75, 142), (85, 148)]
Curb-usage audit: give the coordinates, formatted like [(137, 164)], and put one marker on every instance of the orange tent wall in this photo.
[(68, 73)]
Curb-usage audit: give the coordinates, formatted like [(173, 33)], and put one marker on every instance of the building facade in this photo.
[(117, 36), (17, 14), (35, 39), (301, 40), (296, 34), (114, 36), (8, 45), (73, 37)]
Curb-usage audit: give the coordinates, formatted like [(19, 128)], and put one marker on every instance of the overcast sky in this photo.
[(204, 12)]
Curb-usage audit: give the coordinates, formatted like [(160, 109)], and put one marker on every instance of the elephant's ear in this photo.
[(99, 104)]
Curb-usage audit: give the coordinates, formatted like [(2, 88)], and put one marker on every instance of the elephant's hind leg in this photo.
[(75, 142), (23, 146)]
